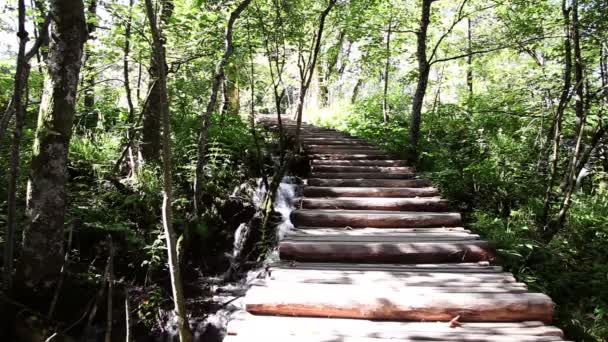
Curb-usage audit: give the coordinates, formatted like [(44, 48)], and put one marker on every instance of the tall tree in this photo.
[(151, 119), (306, 65), (158, 53), (42, 253), (211, 105), (90, 116), (20, 84)]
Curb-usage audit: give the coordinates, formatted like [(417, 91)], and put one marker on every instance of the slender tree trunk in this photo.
[(151, 119), (424, 68), (387, 66), (557, 223), (204, 130), (308, 69), (90, 116), (469, 58), (127, 85), (555, 131), (183, 327), (231, 93), (22, 69), (42, 252)]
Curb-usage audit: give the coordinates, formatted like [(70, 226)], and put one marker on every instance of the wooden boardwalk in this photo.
[(376, 256)]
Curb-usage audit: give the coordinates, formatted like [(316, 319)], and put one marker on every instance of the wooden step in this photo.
[(269, 336), (388, 162), (407, 237), (247, 324), (398, 279), (345, 150), (383, 252), (462, 267), (336, 142), (395, 192), (394, 285), (423, 232), (364, 168), (373, 219), (378, 303), (376, 203), (348, 156), (369, 230), (361, 182), (367, 175), (329, 147)]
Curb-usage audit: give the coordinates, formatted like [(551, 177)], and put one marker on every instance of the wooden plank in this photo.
[(348, 156), (461, 267), (244, 323), (402, 192), (374, 219), (429, 289), (362, 182), (383, 252), (272, 337), (381, 238), (364, 168), (376, 203), (365, 175), (321, 232), (345, 150), (353, 146), (377, 303), (368, 230), (389, 162), (412, 278)]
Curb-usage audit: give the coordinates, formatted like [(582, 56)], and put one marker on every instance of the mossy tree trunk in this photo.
[(42, 252)]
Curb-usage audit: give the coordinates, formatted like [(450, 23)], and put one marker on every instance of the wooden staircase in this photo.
[(376, 256)]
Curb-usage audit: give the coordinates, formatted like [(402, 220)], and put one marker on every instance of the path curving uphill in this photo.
[(377, 255)]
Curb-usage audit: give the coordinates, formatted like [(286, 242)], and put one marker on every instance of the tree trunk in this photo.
[(306, 74), (556, 127), (151, 118), (185, 334), (90, 116), (568, 186), (469, 58), (22, 69), (424, 68), (385, 107), (204, 130), (42, 253), (231, 98)]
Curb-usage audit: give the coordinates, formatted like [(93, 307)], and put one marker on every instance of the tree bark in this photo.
[(469, 58), (185, 335), (204, 130), (385, 106), (22, 70), (424, 68), (555, 131), (568, 186), (151, 119), (90, 116), (42, 253), (307, 70)]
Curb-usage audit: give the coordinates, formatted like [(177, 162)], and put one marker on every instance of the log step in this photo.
[(379, 303), (388, 162), (369, 230), (348, 156), (403, 279), (407, 237), (376, 203), (387, 252), (357, 146), (393, 285), (423, 232), (275, 337), (367, 175), (361, 182), (247, 324), (321, 191), (346, 150), (336, 142), (373, 219), (461, 267), (363, 168)]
